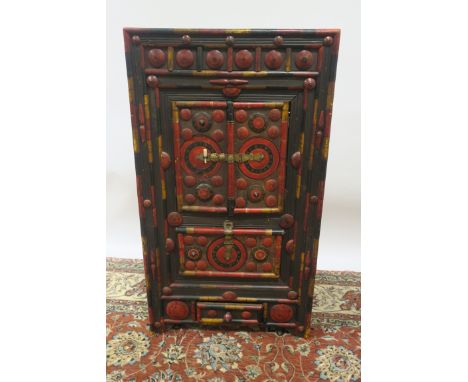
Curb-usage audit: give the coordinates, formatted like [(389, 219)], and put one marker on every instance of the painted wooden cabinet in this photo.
[(230, 133)]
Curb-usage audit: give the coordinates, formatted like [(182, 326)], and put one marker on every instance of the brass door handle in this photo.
[(229, 158)]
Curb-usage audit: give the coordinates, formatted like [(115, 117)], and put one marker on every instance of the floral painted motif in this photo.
[(338, 364), (127, 348), (173, 354), (219, 352), (253, 371), (303, 349), (116, 376)]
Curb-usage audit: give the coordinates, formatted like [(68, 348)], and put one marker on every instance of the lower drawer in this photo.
[(213, 313)]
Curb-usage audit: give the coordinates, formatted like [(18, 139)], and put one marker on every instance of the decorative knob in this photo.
[(147, 203), (136, 40), (152, 81), (309, 83), (327, 41), (228, 317), (165, 160), (278, 40), (186, 39), (296, 159), (230, 40)]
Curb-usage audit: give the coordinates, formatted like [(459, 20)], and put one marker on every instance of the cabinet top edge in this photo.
[(214, 32)]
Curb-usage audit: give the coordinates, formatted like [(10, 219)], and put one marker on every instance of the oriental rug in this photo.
[(135, 354)]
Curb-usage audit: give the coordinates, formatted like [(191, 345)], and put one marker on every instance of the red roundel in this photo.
[(242, 132), (273, 59), (223, 260), (304, 59), (218, 135), (241, 184), (202, 265), (251, 267), (188, 240), (281, 313), (177, 310), (246, 314), (190, 181), (257, 123), (218, 199), (271, 201), (274, 114), (191, 153), (217, 181), (271, 184), (185, 114), (267, 267), (240, 202), (202, 240), (273, 132), (190, 265), (214, 59), (250, 242), (243, 59), (190, 198), (184, 58), (240, 116), (174, 219), (187, 134), (218, 115), (264, 167), (157, 57), (267, 241)]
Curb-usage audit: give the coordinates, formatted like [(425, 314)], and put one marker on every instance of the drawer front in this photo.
[(212, 313), (237, 253)]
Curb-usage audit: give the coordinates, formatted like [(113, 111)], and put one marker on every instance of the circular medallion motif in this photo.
[(255, 193), (246, 315), (267, 241), (240, 202), (271, 184), (257, 123), (177, 310), (250, 242), (202, 265), (190, 198), (190, 181), (192, 156), (274, 114), (174, 219), (218, 199), (214, 59), (202, 240), (184, 58), (251, 267), (281, 313), (273, 59), (216, 181), (218, 135), (267, 267), (260, 253), (156, 57), (242, 132), (304, 59), (189, 265), (271, 201), (202, 121), (188, 240), (193, 253), (221, 260), (204, 191), (243, 59), (273, 132), (241, 184), (265, 167)]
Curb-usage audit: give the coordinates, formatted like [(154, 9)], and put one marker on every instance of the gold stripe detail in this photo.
[(211, 321), (330, 95), (170, 58), (243, 31), (150, 151), (136, 143), (130, 89), (288, 60), (326, 142), (298, 185), (301, 275), (146, 101), (285, 113)]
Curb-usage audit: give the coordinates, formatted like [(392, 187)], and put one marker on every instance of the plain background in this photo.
[(414, 188), (340, 235)]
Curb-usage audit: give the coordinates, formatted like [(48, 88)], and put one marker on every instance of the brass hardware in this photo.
[(229, 158), (228, 226)]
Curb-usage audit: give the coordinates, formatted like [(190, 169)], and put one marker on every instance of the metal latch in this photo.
[(228, 243), (230, 158)]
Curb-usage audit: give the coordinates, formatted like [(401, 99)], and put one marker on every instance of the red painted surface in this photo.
[(281, 313)]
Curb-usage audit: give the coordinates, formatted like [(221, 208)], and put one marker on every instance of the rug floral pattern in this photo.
[(134, 353)]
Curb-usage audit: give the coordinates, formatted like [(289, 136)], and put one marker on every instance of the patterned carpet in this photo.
[(134, 353)]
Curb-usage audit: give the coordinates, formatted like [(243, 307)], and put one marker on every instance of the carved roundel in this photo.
[(243, 59), (257, 122), (273, 59), (201, 121), (267, 165), (193, 253), (177, 310), (214, 59), (192, 156), (204, 191), (221, 260), (255, 193), (260, 253), (184, 58), (281, 313), (156, 57), (304, 59)]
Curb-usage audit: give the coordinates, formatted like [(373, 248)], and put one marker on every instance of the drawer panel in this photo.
[(213, 313), (254, 253)]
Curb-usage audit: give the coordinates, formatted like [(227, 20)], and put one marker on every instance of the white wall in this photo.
[(340, 237)]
